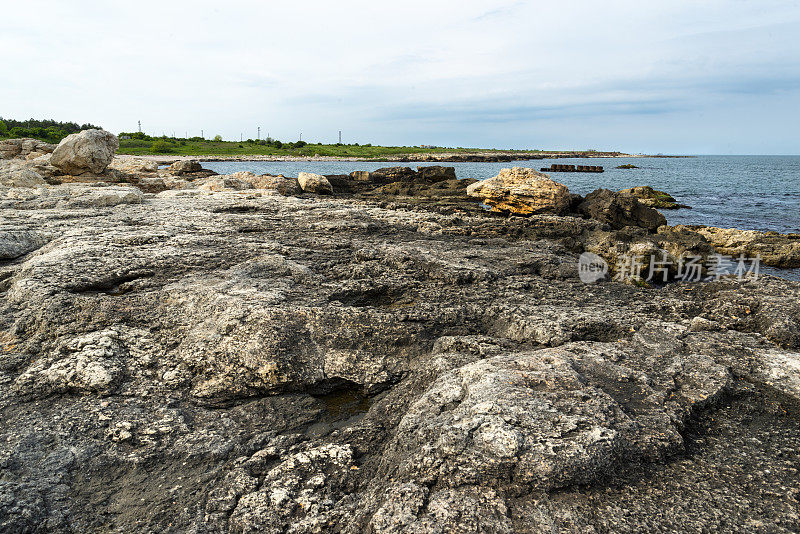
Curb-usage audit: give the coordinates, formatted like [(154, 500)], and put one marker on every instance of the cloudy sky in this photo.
[(678, 76)]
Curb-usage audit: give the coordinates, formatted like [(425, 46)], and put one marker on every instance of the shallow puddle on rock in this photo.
[(343, 404)]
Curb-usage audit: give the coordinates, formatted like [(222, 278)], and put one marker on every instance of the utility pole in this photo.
[(301, 136), (202, 134), (241, 136), (140, 126), (340, 137), (259, 133)]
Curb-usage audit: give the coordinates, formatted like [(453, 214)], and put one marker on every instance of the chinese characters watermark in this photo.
[(661, 268)]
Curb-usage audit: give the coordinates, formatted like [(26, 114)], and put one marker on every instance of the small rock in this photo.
[(185, 166), (134, 165)]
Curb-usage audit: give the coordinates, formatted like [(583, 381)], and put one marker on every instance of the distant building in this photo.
[(428, 146), (124, 136)]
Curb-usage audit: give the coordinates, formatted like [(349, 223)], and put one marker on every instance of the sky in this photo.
[(673, 77)]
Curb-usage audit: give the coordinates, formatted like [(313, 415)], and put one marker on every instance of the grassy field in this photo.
[(196, 147)]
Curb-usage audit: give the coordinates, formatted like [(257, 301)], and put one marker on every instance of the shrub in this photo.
[(161, 147), (218, 138)]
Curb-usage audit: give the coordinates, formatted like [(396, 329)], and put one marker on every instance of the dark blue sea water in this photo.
[(747, 192)]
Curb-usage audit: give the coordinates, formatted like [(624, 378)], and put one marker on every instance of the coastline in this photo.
[(477, 157)]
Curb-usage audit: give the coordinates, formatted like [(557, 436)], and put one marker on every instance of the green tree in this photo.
[(3, 128), (217, 138)]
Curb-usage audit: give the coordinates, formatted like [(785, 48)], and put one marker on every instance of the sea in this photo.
[(745, 192)]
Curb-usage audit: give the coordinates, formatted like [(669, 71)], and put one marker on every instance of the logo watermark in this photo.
[(592, 268)]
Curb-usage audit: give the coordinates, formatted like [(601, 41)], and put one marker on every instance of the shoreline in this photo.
[(478, 157)]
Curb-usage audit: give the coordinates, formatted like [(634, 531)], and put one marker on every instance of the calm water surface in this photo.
[(747, 192)]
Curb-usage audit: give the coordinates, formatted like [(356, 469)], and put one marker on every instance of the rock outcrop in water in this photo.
[(245, 361), (653, 198), (620, 210)]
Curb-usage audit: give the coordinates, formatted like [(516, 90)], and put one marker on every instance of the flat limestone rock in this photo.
[(241, 360), (777, 250), (13, 174), (132, 165)]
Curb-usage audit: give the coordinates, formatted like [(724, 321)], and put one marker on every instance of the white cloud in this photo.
[(501, 73)]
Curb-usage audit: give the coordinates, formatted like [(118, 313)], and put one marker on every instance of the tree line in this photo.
[(44, 130)]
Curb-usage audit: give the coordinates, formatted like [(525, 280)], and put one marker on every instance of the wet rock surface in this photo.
[(652, 198)]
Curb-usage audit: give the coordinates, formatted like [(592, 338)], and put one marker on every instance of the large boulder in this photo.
[(522, 191), (283, 185), (248, 180), (620, 210), (89, 151), (314, 183)]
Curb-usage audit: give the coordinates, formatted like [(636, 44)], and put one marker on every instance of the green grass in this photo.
[(230, 148), (189, 147), (196, 147)]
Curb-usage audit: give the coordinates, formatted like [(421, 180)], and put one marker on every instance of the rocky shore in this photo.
[(376, 352), (443, 157)]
